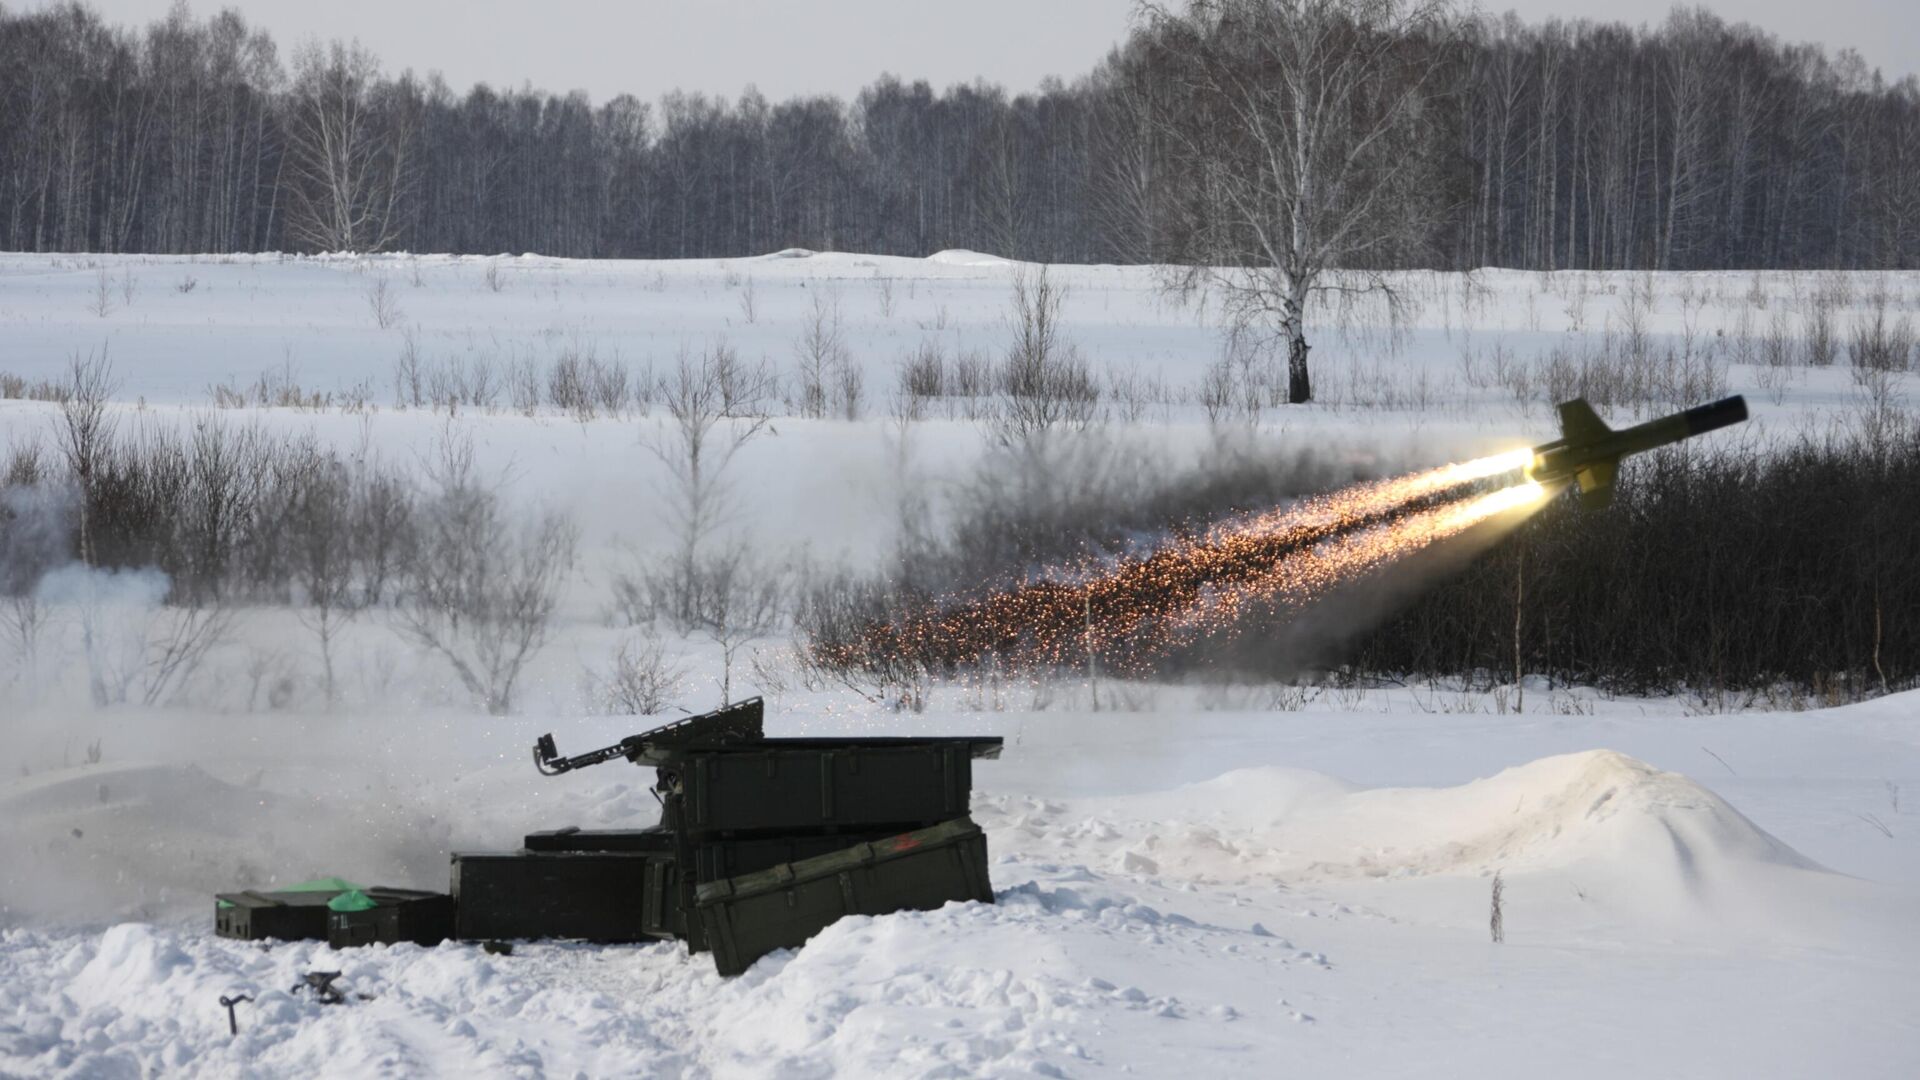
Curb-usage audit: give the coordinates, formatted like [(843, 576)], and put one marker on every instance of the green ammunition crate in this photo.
[(287, 916), (389, 917), (715, 859), (747, 917), (796, 786), (718, 859), (656, 839), (608, 896)]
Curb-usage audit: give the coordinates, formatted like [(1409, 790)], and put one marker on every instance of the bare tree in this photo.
[(696, 444), (1044, 383), (323, 532), (348, 166), (480, 591), (739, 602), (820, 353), (1302, 125)]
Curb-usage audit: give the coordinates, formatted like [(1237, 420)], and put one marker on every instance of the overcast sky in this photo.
[(647, 47)]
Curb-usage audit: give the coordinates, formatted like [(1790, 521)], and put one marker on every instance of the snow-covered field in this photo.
[(1224, 882)]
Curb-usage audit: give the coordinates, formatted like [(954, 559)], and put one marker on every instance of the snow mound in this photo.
[(963, 257), (1594, 806), (1620, 823), (791, 253)]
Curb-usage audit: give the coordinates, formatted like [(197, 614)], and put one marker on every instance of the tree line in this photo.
[(1567, 144)]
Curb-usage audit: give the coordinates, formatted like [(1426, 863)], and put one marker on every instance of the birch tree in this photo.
[(1301, 125), (347, 167)]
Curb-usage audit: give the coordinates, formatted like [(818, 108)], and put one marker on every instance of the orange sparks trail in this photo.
[(1131, 612), (1303, 576)]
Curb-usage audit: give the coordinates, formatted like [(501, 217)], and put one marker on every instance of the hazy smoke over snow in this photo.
[(36, 532), (107, 591)]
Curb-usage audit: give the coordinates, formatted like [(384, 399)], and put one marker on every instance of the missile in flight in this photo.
[(1588, 452)]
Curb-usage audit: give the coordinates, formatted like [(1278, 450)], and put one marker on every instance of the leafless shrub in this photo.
[(1133, 394), (570, 382), (849, 387), (642, 680), (922, 379), (749, 301), (1879, 826), (1497, 923), (1778, 348), (744, 386), (178, 641), (524, 386), (1822, 346), (1740, 343), (1216, 393), (186, 284), (129, 286), (478, 590), (270, 390), (1044, 382), (612, 389), (101, 302), (1879, 344), (407, 379), (972, 382), (494, 280), (883, 291), (384, 304), (1834, 290), (819, 354)]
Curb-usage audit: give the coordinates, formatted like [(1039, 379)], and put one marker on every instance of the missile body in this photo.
[(1588, 452)]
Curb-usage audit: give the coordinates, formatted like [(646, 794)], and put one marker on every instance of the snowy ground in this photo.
[(1256, 891), (1212, 885)]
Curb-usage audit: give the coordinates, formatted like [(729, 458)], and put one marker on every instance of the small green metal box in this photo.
[(397, 915), (287, 916)]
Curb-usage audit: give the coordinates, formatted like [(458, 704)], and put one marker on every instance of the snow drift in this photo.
[(1656, 841)]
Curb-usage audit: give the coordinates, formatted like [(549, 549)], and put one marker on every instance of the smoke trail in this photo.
[(1131, 612)]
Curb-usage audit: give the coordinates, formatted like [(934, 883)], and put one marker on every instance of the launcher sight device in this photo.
[(737, 723)]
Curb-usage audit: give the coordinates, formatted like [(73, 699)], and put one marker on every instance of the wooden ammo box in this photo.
[(797, 786), (609, 896), (389, 917), (295, 913), (749, 916)]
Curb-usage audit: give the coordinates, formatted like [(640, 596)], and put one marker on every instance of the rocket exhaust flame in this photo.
[(1132, 611)]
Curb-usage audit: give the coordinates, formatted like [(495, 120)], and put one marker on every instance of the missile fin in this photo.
[(1579, 423), (1595, 481)]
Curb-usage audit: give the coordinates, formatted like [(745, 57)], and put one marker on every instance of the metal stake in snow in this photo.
[(233, 1023)]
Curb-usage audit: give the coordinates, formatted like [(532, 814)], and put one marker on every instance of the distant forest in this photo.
[(1696, 144)]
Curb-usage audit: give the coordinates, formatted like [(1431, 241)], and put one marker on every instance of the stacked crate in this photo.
[(762, 842)]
